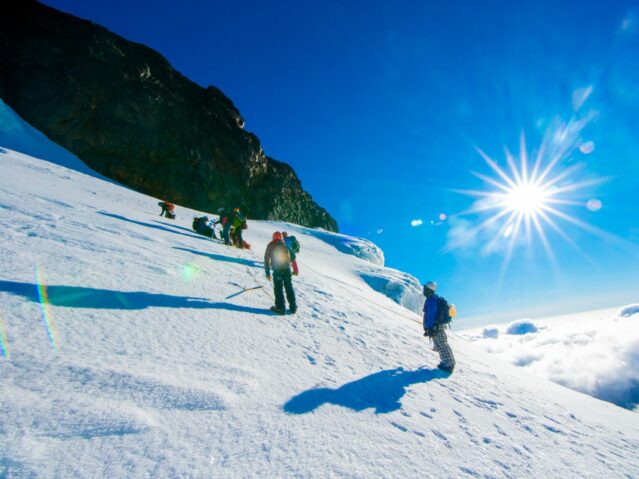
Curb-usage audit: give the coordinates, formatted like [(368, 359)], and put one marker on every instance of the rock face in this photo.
[(129, 115)]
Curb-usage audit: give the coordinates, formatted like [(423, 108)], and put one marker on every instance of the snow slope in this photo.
[(17, 134), (128, 350)]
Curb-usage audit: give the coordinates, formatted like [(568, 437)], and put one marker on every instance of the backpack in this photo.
[(280, 257), (295, 245), (444, 310)]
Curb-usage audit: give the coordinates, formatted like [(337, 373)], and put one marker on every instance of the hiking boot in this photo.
[(277, 310), (445, 368), (293, 310)]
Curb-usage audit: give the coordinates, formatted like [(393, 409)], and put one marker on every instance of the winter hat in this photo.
[(277, 236), (431, 285), (284, 234)]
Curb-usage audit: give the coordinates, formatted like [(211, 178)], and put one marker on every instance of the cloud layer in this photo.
[(593, 355)]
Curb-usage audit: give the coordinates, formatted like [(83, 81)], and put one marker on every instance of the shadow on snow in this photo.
[(220, 257), (149, 225), (83, 297), (183, 228), (382, 391)]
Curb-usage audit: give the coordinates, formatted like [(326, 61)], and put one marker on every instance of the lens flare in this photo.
[(594, 204), (190, 272), (4, 341), (47, 319), (587, 148)]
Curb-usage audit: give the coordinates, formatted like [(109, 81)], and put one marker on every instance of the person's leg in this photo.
[(239, 242), (290, 294), (296, 270), (225, 234), (278, 291), (442, 347)]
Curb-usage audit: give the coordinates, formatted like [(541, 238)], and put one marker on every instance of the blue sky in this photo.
[(379, 107)]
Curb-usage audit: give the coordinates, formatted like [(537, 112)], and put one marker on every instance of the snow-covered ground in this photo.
[(126, 351), (595, 352)]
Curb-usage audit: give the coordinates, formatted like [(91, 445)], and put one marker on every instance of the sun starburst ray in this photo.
[(465, 237), (510, 159), (539, 157), (564, 236), (546, 171), (524, 158), (496, 168), (578, 186), (493, 182)]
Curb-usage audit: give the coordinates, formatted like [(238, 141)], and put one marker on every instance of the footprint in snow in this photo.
[(441, 437), (399, 426), (469, 471)]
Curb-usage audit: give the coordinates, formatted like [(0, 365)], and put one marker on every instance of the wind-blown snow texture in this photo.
[(140, 359)]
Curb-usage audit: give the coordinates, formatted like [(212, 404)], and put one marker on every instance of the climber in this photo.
[(238, 223), (201, 226), (225, 221), (436, 319), (168, 209), (277, 257)]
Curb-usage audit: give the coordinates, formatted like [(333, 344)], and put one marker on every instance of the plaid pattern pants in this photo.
[(441, 346)]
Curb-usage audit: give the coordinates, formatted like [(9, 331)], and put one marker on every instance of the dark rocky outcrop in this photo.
[(129, 115)]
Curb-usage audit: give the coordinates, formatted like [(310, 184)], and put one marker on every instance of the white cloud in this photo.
[(597, 356), (523, 326), (417, 222), (629, 310), (492, 333)]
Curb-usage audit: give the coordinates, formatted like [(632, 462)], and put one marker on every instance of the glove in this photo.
[(428, 332), (268, 276)]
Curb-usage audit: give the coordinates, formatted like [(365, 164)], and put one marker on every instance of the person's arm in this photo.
[(267, 260), (431, 312)]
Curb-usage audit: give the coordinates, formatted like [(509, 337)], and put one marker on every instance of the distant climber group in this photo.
[(280, 265), (233, 224)]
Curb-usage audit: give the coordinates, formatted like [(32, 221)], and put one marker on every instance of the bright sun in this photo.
[(526, 198), (523, 200)]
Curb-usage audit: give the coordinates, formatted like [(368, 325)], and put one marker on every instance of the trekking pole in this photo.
[(244, 291)]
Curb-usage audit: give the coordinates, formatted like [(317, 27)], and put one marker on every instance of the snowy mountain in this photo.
[(130, 348)]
